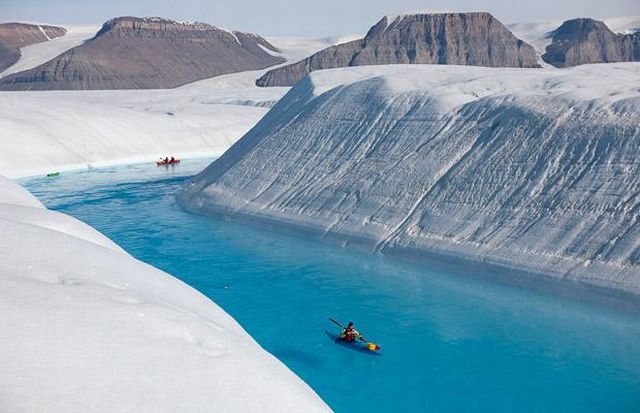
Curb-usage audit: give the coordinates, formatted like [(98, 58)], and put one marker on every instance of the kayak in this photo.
[(175, 161), (357, 345)]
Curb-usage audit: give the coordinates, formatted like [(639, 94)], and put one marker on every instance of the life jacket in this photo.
[(349, 335)]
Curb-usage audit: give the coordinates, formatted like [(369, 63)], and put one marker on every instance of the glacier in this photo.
[(88, 328), (57, 131), (533, 171)]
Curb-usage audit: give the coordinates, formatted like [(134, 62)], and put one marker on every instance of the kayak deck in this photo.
[(358, 346)]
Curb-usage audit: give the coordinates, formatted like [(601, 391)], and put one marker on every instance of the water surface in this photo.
[(450, 343)]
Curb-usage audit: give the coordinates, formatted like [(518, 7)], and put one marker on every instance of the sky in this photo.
[(301, 18)]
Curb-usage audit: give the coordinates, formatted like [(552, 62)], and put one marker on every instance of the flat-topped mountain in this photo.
[(475, 39), (148, 53), (13, 36), (583, 41)]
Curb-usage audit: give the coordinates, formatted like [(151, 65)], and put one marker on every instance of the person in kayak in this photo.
[(172, 159), (350, 334)]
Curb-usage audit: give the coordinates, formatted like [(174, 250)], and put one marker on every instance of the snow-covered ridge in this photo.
[(529, 170), (159, 22), (88, 328), (390, 18)]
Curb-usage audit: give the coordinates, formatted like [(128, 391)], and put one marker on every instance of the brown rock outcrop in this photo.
[(583, 41), (475, 39), (147, 53)]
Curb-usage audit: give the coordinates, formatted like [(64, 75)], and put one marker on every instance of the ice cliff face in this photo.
[(529, 169), (149, 53), (14, 36), (582, 41), (475, 39)]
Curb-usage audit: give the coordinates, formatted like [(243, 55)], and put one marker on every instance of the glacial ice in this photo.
[(530, 170)]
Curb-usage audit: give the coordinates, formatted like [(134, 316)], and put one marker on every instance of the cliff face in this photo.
[(13, 36), (583, 41), (475, 39), (530, 170), (135, 53)]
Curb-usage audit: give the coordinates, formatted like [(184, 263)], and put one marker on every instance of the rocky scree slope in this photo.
[(476, 39), (534, 170), (582, 41), (14, 36), (148, 53)]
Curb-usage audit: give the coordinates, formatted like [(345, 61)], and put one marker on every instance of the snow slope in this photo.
[(43, 132), (534, 170), (295, 49), (39, 53), (88, 328)]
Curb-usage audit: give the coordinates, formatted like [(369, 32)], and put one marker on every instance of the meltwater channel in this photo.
[(450, 343)]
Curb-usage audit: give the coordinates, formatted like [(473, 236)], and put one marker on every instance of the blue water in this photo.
[(450, 343)]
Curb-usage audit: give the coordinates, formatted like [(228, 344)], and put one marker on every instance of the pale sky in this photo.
[(301, 18)]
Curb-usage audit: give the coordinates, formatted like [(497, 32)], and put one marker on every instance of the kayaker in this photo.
[(350, 334), (166, 160), (172, 159)]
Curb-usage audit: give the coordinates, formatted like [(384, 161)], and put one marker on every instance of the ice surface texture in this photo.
[(533, 169)]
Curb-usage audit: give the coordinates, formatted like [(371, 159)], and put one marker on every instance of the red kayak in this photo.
[(173, 162)]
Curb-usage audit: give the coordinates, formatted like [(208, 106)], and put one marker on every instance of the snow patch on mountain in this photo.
[(39, 53), (393, 18), (623, 25), (295, 49), (528, 170)]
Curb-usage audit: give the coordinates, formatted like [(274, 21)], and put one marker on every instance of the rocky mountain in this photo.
[(148, 53), (475, 39), (583, 41), (534, 172), (14, 36)]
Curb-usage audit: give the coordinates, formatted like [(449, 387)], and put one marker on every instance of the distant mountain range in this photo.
[(148, 53), (14, 36), (475, 39), (156, 53)]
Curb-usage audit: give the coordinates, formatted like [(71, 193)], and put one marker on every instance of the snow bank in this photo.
[(11, 193), (534, 170), (42, 132), (87, 328)]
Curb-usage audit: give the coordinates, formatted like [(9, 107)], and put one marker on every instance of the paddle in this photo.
[(376, 347)]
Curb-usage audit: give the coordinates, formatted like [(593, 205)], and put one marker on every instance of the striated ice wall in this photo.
[(535, 170)]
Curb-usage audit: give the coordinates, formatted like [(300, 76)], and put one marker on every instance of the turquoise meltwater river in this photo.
[(450, 343)]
